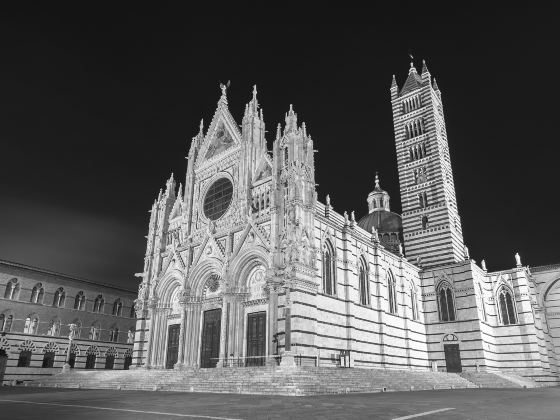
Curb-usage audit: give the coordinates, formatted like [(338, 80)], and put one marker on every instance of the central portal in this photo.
[(453, 358), (256, 339), (210, 346), (172, 345)]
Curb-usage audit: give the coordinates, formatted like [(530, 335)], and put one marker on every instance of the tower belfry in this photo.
[(431, 222)]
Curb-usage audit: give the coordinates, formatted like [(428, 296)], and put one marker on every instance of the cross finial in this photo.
[(376, 179)]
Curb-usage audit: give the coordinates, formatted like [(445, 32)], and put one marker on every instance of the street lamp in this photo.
[(71, 335)]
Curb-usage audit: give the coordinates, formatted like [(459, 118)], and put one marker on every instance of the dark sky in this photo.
[(98, 107)]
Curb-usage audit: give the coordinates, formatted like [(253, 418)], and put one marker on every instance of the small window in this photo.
[(99, 304), (363, 284), (392, 293), (424, 222), (117, 308), (80, 301), (59, 298), (12, 290), (329, 267)]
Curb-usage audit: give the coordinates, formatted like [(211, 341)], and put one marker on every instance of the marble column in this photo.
[(152, 306), (223, 331), (272, 321)]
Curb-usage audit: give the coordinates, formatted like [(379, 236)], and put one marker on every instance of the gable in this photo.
[(264, 171), (220, 142)]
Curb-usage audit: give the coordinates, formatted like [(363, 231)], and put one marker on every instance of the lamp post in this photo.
[(73, 328)]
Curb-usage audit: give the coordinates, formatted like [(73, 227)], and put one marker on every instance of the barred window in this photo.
[(329, 267), (446, 302), (363, 284), (508, 314)]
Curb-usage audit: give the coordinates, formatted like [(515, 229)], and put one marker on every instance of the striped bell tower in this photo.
[(431, 222)]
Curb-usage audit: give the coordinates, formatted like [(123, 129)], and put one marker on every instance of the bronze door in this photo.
[(256, 339), (172, 346), (453, 358), (210, 346)]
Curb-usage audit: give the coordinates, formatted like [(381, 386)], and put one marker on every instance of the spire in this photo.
[(201, 128), (394, 82), (377, 187), (278, 131), (412, 68), (180, 192), (170, 186), (424, 67), (436, 87), (291, 120)]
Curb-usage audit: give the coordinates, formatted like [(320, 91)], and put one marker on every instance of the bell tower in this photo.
[(431, 222)]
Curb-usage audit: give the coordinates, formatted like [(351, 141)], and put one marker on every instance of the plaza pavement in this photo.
[(41, 403)]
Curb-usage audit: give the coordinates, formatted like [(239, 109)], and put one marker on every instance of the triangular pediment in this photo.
[(252, 236), (209, 249), (223, 136)]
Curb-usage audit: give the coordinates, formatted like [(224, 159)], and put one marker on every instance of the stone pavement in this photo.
[(60, 404)]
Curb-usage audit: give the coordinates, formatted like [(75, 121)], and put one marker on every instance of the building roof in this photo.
[(62, 276), (413, 82), (384, 221)]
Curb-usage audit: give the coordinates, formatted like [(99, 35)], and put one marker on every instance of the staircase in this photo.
[(260, 380), (498, 380)]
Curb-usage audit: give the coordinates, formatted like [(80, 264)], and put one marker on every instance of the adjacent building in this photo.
[(36, 308)]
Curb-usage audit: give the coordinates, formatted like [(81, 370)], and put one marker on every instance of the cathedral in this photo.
[(245, 265)]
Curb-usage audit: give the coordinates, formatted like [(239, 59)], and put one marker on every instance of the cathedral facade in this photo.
[(244, 265)]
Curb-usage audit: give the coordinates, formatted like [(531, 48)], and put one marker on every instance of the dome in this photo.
[(384, 221)]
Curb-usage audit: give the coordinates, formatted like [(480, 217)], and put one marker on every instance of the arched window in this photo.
[(363, 283), (508, 314), (49, 352), (424, 222), (91, 355), (94, 332), (132, 312), (31, 324), (110, 356), (114, 337), (127, 359), (414, 303), (6, 322), (117, 308), (59, 298), (54, 328), (482, 303), (12, 290), (37, 294), (286, 156), (24, 359), (80, 301), (392, 292), (98, 304), (446, 302), (329, 281), (130, 337)]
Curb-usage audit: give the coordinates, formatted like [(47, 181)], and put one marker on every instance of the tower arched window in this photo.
[(392, 292), (132, 312), (12, 290), (94, 332), (80, 301), (424, 222), (506, 302), (363, 283), (329, 281), (446, 302), (59, 298)]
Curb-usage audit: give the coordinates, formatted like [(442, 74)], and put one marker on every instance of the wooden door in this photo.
[(109, 362), (172, 346), (210, 345), (453, 358), (256, 339), (127, 362)]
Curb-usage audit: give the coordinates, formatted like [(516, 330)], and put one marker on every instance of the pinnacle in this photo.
[(394, 82), (424, 67)]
